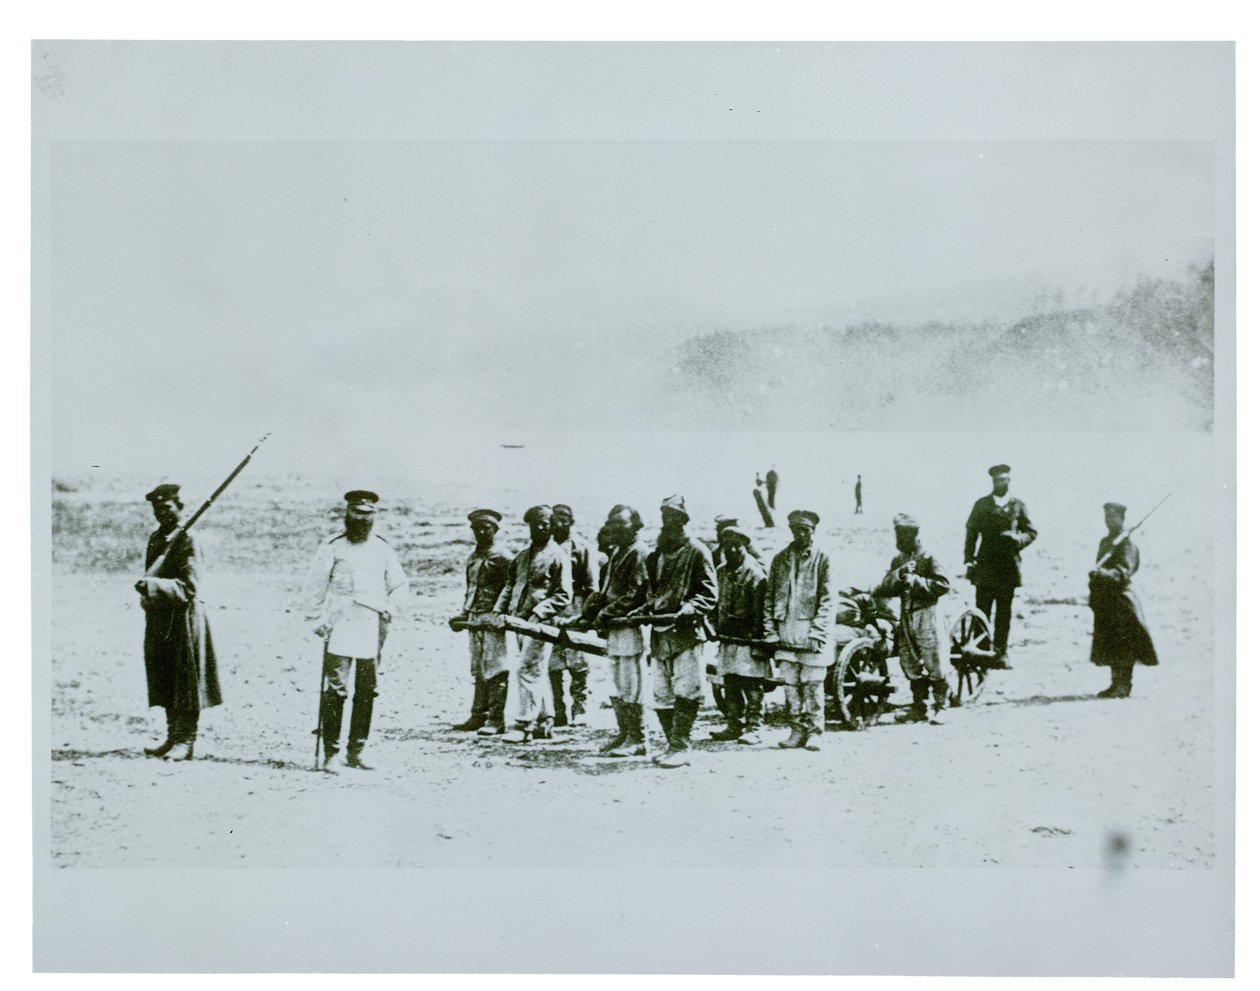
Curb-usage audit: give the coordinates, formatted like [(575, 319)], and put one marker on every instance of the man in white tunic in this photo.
[(355, 588)]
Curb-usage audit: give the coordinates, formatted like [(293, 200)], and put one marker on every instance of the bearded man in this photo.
[(355, 588)]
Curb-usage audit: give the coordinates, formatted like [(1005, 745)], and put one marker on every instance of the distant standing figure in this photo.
[(857, 495), (917, 581), (1121, 637), (998, 529), (485, 574), (538, 589), (355, 588), (799, 614), (179, 660), (584, 562), (772, 485)]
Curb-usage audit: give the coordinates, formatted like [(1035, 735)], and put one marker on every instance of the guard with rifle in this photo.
[(539, 587), (1121, 637), (179, 659), (355, 588), (799, 614), (485, 573), (917, 582), (743, 655), (677, 599)]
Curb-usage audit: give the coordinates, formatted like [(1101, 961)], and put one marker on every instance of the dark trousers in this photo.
[(336, 688), (995, 602)]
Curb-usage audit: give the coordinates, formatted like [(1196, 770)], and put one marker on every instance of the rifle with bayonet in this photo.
[(187, 525), (1125, 534)]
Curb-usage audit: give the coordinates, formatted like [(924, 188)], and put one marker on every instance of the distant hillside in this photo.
[(1142, 359)]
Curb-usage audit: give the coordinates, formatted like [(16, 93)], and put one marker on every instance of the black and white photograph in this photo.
[(634, 507)]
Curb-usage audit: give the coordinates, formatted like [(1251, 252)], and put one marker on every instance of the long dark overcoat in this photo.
[(179, 659), (1120, 631), (995, 537)]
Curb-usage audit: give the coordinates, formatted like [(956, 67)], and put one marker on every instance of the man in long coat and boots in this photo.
[(1121, 637), (485, 573), (918, 582), (799, 615), (998, 530), (538, 589), (179, 660), (682, 585), (584, 564), (356, 586)]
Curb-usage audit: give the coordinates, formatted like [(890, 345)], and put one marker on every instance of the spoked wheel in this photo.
[(971, 654), (863, 686)]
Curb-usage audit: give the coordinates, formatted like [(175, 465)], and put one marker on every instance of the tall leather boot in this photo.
[(577, 691), (719, 697), (496, 702), (557, 695), (360, 726), (940, 700), (1124, 678), (666, 718), (917, 712), (481, 701), (186, 730), (635, 745), (733, 697), (332, 711), (792, 700), (754, 694), (623, 729), (164, 748), (811, 715), (678, 755)]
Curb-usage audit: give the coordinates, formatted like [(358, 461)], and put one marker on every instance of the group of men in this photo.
[(656, 609)]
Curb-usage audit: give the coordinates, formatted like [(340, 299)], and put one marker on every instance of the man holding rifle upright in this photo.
[(678, 596), (1121, 636), (179, 661), (355, 587), (799, 614)]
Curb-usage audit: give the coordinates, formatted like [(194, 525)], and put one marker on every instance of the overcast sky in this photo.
[(256, 280)]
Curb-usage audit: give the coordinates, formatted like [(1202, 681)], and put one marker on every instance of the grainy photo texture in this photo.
[(649, 481)]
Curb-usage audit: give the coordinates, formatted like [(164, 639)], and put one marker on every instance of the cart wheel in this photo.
[(970, 652), (863, 683)]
